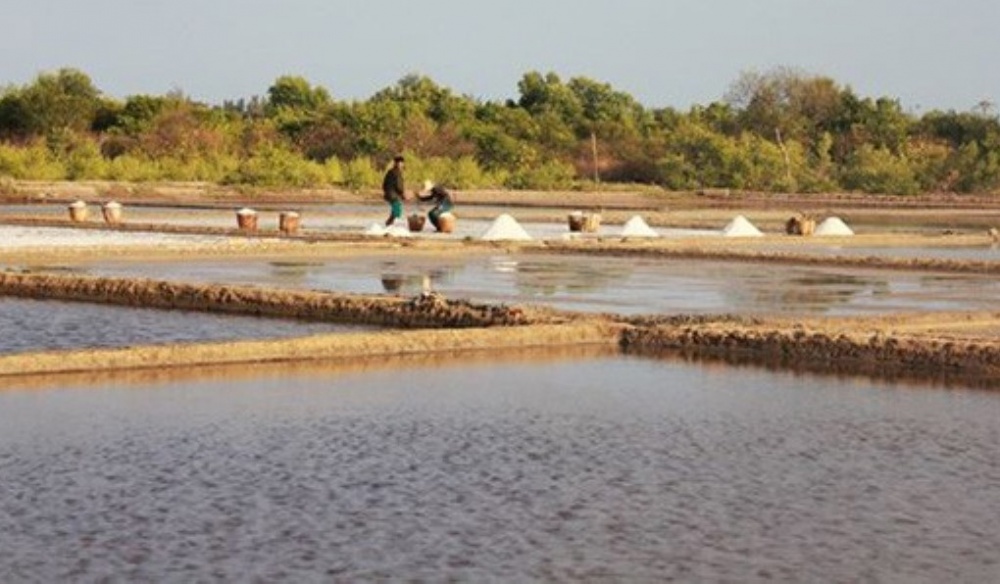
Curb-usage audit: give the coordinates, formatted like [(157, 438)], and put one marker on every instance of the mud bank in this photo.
[(425, 311), (682, 252), (965, 347), (870, 348), (318, 347)]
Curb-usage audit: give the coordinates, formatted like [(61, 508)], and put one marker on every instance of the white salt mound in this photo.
[(637, 227), (833, 226), (741, 227), (505, 228), (393, 230)]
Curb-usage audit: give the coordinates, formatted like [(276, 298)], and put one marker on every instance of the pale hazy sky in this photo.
[(930, 54)]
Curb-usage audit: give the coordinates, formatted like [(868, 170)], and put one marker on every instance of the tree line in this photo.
[(778, 131)]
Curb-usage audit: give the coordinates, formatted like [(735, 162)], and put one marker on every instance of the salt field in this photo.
[(356, 219), (574, 468), (594, 284), (17, 237), (37, 325), (492, 465)]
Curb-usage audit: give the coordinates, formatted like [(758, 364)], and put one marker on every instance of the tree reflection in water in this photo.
[(537, 277), (403, 278), (802, 290)]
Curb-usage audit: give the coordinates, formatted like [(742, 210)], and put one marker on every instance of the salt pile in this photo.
[(833, 226), (741, 227), (20, 238), (394, 230), (505, 227), (637, 227)]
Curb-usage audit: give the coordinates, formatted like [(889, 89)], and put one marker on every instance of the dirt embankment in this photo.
[(834, 346), (425, 311), (964, 347), (700, 251)]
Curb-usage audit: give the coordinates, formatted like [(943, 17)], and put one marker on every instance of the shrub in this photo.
[(360, 174), (877, 170), (547, 177), (276, 167), (33, 162)]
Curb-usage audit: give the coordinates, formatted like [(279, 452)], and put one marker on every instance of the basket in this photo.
[(446, 223), (246, 219), (288, 222), (416, 222)]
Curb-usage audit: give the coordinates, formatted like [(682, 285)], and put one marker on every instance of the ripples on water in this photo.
[(611, 469), (34, 325)]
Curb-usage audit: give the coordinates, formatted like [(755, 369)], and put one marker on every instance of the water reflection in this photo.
[(295, 271), (411, 279), (817, 291), (539, 277), (623, 285)]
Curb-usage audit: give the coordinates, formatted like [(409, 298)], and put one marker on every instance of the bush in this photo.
[(84, 161), (34, 162), (877, 170), (131, 168), (550, 176), (360, 174), (277, 167)]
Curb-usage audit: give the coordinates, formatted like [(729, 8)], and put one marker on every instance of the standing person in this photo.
[(392, 190), (443, 202)]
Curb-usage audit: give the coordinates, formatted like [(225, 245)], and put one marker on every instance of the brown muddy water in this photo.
[(597, 284), (36, 325), (590, 467)]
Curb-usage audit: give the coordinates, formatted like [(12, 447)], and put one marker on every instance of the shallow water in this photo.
[(622, 285), (582, 468), (984, 253), (35, 325)]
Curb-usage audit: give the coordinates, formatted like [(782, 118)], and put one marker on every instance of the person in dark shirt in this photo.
[(443, 202), (393, 190)]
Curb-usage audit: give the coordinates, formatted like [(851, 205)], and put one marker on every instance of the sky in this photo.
[(929, 54)]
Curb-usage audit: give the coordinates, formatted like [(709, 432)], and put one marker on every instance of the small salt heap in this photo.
[(393, 230), (833, 226), (507, 228), (741, 227), (637, 227)]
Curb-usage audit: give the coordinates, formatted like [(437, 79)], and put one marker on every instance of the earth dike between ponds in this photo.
[(964, 346)]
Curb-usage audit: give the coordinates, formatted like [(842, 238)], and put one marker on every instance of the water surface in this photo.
[(583, 283), (36, 325), (594, 468)]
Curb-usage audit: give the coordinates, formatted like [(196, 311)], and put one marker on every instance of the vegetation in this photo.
[(779, 131)]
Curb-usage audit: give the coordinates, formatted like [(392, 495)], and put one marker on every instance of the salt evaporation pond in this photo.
[(623, 285), (592, 468), (35, 325), (354, 219), (984, 253)]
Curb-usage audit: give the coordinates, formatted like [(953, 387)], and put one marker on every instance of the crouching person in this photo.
[(443, 203)]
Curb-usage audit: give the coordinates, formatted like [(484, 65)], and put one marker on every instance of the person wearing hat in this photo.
[(393, 191), (443, 202)]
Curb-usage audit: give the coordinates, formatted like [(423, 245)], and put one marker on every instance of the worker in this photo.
[(442, 199), (393, 191)]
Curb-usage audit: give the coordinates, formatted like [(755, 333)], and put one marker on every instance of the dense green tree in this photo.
[(63, 101), (290, 92), (783, 130)]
